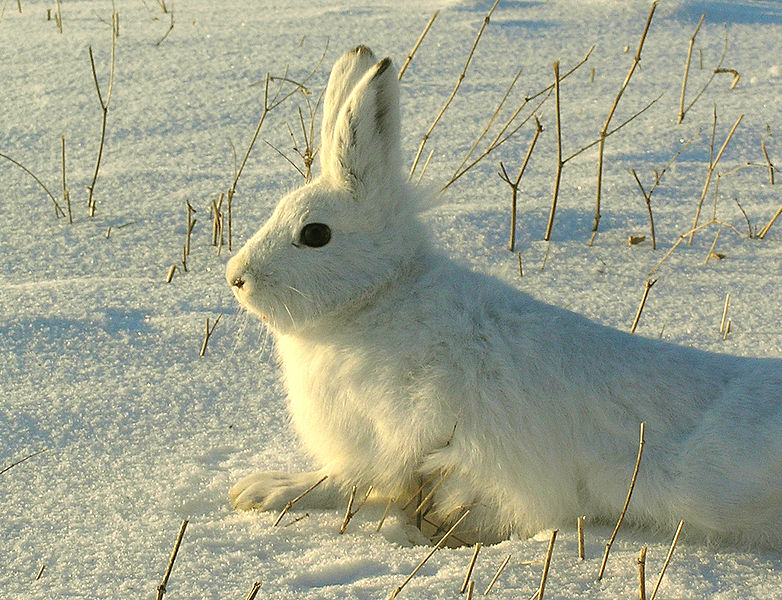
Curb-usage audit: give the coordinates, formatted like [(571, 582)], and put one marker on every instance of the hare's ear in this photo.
[(366, 148), (345, 74)]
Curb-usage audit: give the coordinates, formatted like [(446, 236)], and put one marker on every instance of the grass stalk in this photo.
[(417, 44), (642, 574), (626, 504), (470, 567), (497, 574), (546, 564), (667, 559), (161, 589), (687, 66), (290, 503), (647, 287)]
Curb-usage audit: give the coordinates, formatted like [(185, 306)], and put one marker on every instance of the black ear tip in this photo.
[(362, 49), (382, 66)]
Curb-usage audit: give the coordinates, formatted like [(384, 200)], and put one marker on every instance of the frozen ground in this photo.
[(99, 357)]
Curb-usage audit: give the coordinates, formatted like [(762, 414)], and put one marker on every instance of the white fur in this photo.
[(400, 364)]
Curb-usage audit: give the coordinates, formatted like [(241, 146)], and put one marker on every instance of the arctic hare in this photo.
[(402, 366)]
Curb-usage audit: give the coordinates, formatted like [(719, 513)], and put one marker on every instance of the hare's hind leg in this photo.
[(273, 491)]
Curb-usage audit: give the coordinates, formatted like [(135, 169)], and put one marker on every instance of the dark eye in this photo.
[(315, 235)]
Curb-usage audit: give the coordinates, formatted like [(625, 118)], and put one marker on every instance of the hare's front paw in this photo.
[(272, 491)]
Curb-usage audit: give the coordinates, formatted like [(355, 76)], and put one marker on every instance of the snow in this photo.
[(100, 358)]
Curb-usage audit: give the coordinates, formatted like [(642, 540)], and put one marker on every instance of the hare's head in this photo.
[(332, 244)]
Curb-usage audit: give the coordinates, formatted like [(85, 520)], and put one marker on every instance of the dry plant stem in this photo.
[(171, 272), (521, 270), (470, 590), (687, 66), (727, 330), (708, 82), (190, 224), (647, 287), (560, 163), (627, 502), (19, 462), (712, 166), (40, 572), (642, 574), (768, 225), (104, 104), (432, 492), (497, 574), (428, 133), (418, 43), (161, 589), (57, 210), (348, 513), (209, 332), (713, 245), (667, 559), (431, 553), (170, 26), (547, 564), (514, 185), (504, 135), (65, 194), (768, 161), (254, 591), (580, 530), (648, 202), (471, 566), (385, 514), (604, 131), (725, 312), (290, 504)]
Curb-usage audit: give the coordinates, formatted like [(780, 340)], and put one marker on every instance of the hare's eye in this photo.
[(315, 235)]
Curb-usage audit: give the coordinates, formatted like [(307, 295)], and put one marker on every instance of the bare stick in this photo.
[(521, 270), (161, 589), (712, 166), (254, 591), (431, 493), (296, 520), (290, 503), (40, 572), (171, 272), (104, 104), (724, 312), (603, 132), (708, 82), (768, 225), (648, 202), (19, 462), (66, 196), (497, 574), (385, 514), (486, 20), (727, 330), (57, 208), (350, 513), (768, 161), (431, 553), (470, 590), (190, 224), (418, 43), (170, 27), (642, 574), (208, 333), (687, 66), (478, 546), (560, 163), (504, 134), (514, 185), (667, 559), (627, 502), (580, 530), (547, 564), (713, 245), (647, 287)]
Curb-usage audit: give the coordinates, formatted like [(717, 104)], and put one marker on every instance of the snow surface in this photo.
[(99, 357)]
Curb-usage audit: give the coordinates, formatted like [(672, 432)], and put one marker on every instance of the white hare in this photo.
[(401, 365)]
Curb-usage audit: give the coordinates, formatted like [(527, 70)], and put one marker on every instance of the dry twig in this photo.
[(208, 333), (642, 574), (20, 461), (546, 564), (161, 589), (497, 574), (687, 66), (647, 287), (627, 503), (290, 503), (667, 559), (478, 546), (417, 44)]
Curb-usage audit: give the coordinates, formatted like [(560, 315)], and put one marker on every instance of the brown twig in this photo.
[(66, 196), (290, 503), (104, 104), (604, 130), (667, 559), (417, 44), (497, 574), (768, 161), (712, 165), (58, 211), (470, 567), (725, 312), (20, 461), (627, 503), (642, 574), (708, 82), (170, 26), (161, 589), (514, 185), (560, 162), (647, 287), (580, 531), (768, 225), (208, 333), (687, 66), (254, 591), (439, 544), (547, 564), (428, 133)]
